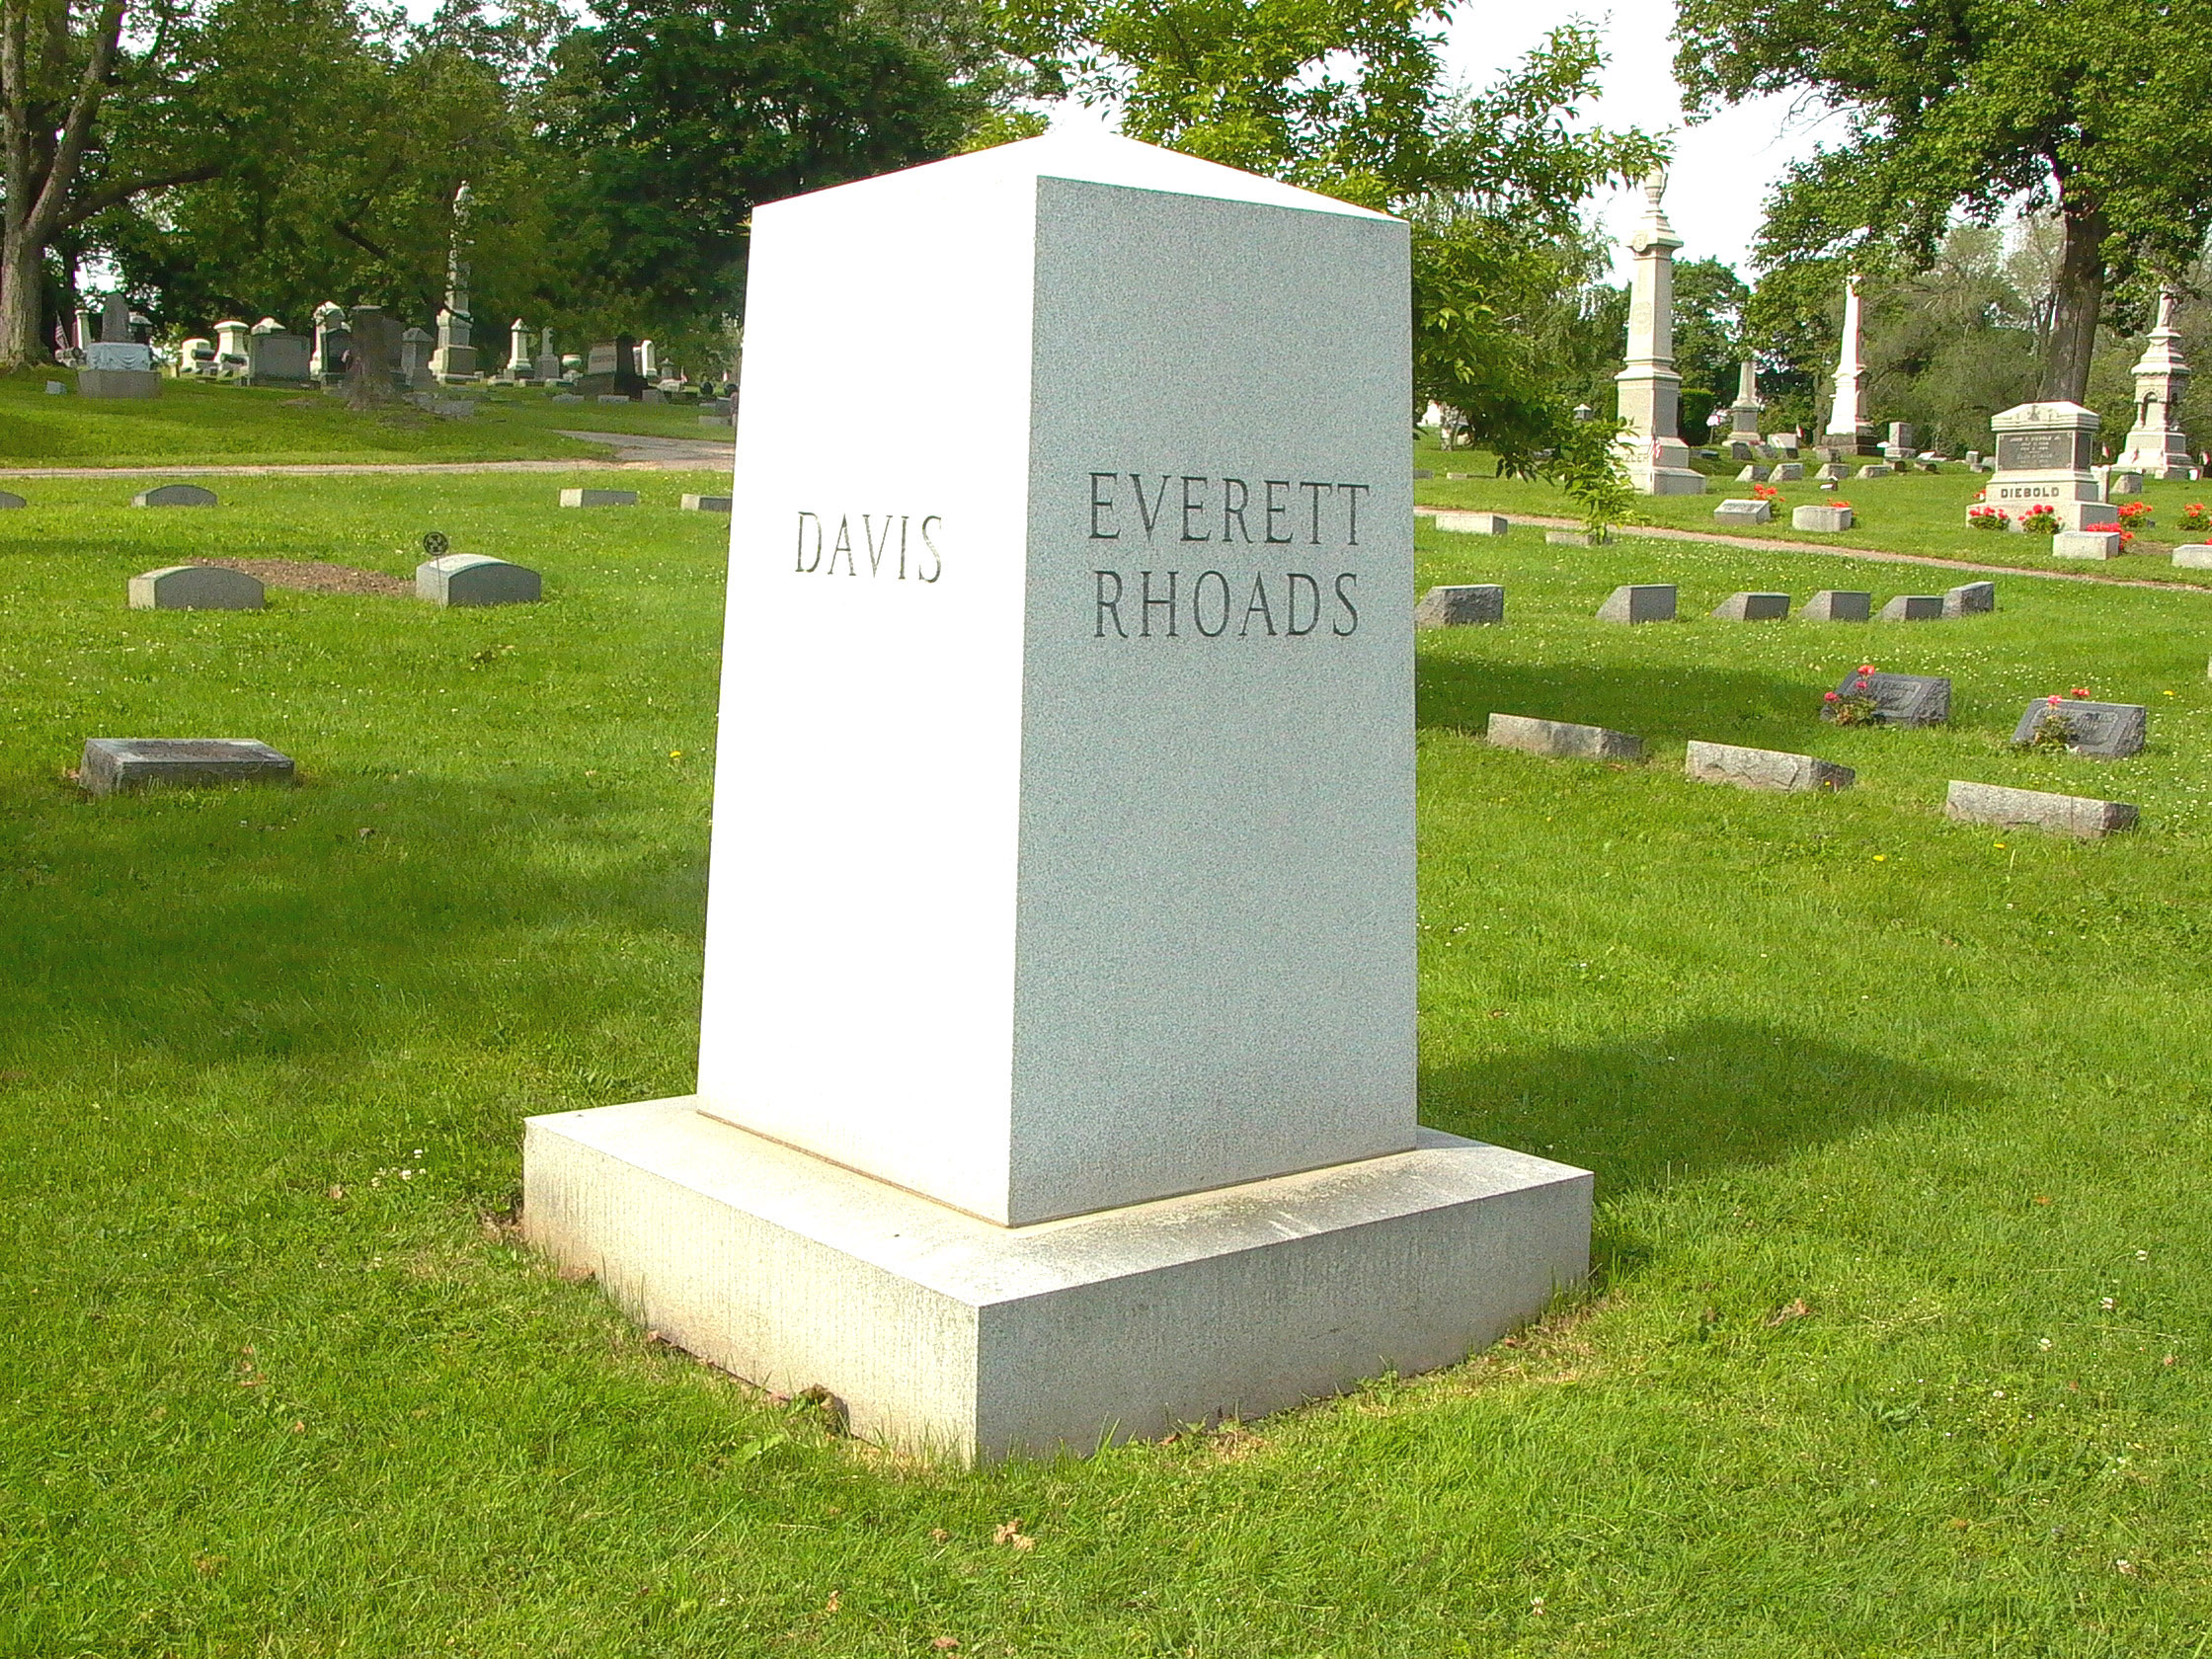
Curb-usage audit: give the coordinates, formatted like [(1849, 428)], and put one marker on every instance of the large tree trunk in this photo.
[(2076, 300), (21, 278)]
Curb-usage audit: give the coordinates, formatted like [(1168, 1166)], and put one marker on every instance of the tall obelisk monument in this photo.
[(2157, 443), (1848, 431), (1648, 388)]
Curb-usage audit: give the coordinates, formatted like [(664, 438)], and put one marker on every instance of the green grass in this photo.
[(199, 422), (269, 1396), (1917, 513)]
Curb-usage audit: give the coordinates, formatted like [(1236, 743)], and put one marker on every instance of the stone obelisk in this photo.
[(455, 360), (1743, 415), (1648, 388), (2156, 444), (1848, 431)]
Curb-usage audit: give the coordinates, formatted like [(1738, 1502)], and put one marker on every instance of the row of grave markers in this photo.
[(1477, 605)]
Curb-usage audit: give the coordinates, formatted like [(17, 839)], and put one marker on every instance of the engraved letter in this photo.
[(1313, 598), (802, 567), (1190, 507), (1260, 605), (1101, 504), (1345, 600), (1108, 602), (1198, 602), (1356, 491), (1150, 510), (937, 569), (902, 547), (1314, 494), (1274, 512), (1144, 627), (876, 549), (843, 544), (1234, 508)]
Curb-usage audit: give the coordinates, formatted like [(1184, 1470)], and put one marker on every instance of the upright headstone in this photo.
[(1849, 432), (333, 343), (277, 358), (373, 364), (453, 359), (195, 588), (1150, 500), (233, 354), (627, 380), (518, 364), (1648, 388), (549, 360), (2156, 444), (115, 365), (649, 362), (1639, 601), (2044, 451), (1744, 413), (475, 579), (1838, 605), (417, 348)]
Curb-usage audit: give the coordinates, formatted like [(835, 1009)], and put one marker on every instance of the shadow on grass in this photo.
[(1698, 1100), (1658, 702)]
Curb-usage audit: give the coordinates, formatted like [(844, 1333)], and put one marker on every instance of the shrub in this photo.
[(1988, 517), (2041, 520)]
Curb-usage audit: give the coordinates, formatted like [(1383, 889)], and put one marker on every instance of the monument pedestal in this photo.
[(944, 1333), (119, 382)]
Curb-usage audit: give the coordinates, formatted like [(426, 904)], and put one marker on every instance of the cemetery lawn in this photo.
[(199, 424), (1918, 512), (1897, 1342)]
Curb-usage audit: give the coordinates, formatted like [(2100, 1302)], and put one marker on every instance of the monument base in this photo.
[(119, 382), (944, 1333)]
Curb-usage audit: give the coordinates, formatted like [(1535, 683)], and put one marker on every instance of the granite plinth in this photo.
[(2082, 816), (112, 766), (2193, 555), (1752, 607), (2100, 730), (1763, 769), (1643, 602), (119, 382), (1463, 607), (1816, 517), (1914, 607), (2086, 544), (1834, 604), (1560, 739), (943, 1334)]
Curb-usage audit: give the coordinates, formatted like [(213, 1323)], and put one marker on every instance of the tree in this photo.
[(680, 116), (1708, 341), (2086, 107)]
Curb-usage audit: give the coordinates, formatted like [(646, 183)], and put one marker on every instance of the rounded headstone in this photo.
[(174, 494), (194, 587), (8, 499), (475, 579)]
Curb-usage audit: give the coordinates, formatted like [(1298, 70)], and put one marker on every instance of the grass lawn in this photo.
[(1897, 1344), (1907, 512), (196, 423)]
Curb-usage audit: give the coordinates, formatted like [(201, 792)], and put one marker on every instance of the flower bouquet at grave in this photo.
[(1764, 492), (2041, 520), (1988, 517), (2194, 518), (1854, 704), (2135, 516), (2053, 730)]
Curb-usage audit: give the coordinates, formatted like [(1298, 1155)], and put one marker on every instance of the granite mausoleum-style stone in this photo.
[(1752, 607), (195, 588), (1914, 607), (1817, 517), (1834, 604), (2100, 730), (1744, 512), (1972, 598), (2086, 544), (1763, 769), (112, 766), (475, 579), (1472, 523), (1460, 606), (599, 498), (1900, 699), (174, 494), (2007, 809), (1640, 601), (704, 503), (1560, 739), (1102, 1133)]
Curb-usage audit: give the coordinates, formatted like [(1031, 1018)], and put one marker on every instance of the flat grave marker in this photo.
[(2100, 730), (1899, 699), (599, 498), (1561, 739), (114, 766), (1472, 604), (1763, 769), (1639, 601), (1752, 607), (1971, 598), (704, 503), (2082, 816), (1817, 516), (1837, 604), (1914, 607)]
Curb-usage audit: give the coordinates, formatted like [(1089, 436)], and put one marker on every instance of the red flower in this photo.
[(1828, 697), (1866, 667), (2079, 691), (2053, 701)]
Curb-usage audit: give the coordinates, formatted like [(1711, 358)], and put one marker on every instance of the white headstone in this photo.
[(1648, 388), (231, 350), (1113, 775), (2044, 452), (2156, 444), (1847, 427), (519, 365)]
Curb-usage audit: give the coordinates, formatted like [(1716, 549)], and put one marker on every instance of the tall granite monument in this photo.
[(2157, 446), (453, 359), (1648, 388), (1056, 1062), (2044, 452), (1849, 432)]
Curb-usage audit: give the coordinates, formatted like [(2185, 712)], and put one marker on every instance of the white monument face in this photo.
[(1116, 779), (2156, 444), (2044, 452), (1056, 1066), (1647, 389)]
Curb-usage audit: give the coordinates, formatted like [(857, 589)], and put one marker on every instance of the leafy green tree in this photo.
[(2088, 107), (679, 116), (1708, 341)]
